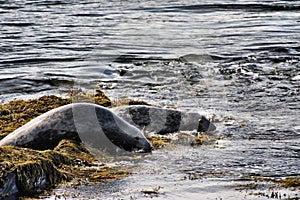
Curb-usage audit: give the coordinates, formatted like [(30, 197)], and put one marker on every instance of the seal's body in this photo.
[(90, 123), (162, 120)]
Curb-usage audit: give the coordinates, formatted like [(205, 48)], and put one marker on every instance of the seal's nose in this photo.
[(143, 150), (147, 148), (142, 144)]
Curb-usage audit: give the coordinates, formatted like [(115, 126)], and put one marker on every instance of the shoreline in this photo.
[(35, 172)]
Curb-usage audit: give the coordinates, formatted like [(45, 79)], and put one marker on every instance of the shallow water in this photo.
[(235, 60), (206, 172)]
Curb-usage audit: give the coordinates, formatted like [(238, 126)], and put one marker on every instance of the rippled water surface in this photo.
[(235, 60)]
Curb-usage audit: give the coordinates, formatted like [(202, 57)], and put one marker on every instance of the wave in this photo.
[(38, 60), (232, 6)]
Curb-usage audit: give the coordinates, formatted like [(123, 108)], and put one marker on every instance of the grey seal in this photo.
[(163, 120), (96, 126)]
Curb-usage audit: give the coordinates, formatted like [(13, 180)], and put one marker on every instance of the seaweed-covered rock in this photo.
[(33, 177), (26, 171)]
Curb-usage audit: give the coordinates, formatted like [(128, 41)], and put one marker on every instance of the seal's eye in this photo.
[(136, 138)]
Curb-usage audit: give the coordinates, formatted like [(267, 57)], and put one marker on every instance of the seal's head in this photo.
[(126, 136), (134, 142), (100, 128)]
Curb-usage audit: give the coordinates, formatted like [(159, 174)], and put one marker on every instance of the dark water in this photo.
[(235, 60)]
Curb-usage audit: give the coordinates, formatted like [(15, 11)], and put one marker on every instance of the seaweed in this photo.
[(32, 171), (28, 171), (18, 112), (292, 182)]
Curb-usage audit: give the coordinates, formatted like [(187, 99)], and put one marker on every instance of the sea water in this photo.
[(237, 62)]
